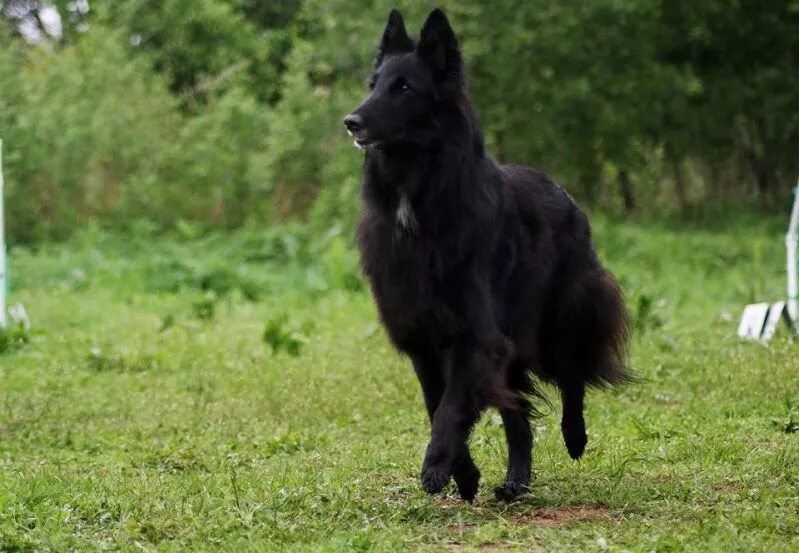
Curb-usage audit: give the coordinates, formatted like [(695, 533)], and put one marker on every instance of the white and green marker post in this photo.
[(3, 260), (791, 239)]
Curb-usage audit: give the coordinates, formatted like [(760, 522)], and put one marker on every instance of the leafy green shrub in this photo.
[(120, 361), (646, 314), (283, 245), (281, 335), (171, 276), (13, 337), (338, 260), (205, 307)]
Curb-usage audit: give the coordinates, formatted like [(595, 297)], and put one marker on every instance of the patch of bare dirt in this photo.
[(561, 516)]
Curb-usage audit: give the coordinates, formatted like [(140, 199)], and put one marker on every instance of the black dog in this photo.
[(483, 274)]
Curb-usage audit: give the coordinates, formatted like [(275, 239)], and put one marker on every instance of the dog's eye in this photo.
[(402, 85)]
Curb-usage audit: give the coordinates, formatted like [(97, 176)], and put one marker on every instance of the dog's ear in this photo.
[(395, 38), (439, 47)]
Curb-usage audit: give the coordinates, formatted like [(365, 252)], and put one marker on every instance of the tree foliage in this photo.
[(226, 110)]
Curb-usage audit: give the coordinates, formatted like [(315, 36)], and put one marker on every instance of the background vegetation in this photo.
[(205, 370), (224, 111)]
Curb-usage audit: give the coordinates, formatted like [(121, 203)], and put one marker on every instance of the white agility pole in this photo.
[(790, 246), (3, 287), (759, 320)]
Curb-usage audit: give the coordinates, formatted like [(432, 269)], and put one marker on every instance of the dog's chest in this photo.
[(410, 264), (397, 254), (404, 216)]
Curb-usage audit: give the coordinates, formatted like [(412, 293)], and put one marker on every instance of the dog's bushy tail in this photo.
[(592, 330), (594, 327)]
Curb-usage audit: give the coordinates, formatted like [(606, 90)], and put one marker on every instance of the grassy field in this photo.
[(234, 392)]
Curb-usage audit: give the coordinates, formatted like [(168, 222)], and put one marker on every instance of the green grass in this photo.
[(235, 392)]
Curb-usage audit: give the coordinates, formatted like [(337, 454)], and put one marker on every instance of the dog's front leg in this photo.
[(430, 371), (458, 410)]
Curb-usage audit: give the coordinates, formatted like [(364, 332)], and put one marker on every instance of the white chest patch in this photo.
[(406, 218)]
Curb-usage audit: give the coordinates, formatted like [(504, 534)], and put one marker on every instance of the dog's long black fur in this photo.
[(483, 274)]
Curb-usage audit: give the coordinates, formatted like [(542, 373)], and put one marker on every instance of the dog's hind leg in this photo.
[(430, 374), (573, 424), (592, 329), (520, 447)]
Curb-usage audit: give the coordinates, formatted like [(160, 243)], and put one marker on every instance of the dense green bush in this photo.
[(91, 132), (84, 131), (214, 171)]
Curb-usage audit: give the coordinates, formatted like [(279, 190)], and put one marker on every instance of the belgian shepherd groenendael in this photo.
[(483, 274)]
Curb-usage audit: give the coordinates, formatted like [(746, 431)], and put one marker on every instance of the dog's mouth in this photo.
[(362, 140)]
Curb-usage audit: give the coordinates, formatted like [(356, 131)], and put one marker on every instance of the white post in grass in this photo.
[(790, 245), (3, 287)]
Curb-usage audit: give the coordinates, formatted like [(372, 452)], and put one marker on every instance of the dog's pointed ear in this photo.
[(395, 38), (438, 45)]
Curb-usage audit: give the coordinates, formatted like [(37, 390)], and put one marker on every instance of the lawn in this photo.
[(235, 392)]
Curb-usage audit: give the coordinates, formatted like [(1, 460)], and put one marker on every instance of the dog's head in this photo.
[(410, 85)]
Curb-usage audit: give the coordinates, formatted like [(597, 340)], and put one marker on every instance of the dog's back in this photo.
[(585, 319)]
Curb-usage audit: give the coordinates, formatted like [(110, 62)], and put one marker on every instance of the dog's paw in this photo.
[(468, 480), (510, 490), (576, 441), (434, 478)]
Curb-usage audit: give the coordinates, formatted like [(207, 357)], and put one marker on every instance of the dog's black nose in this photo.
[(353, 122)]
